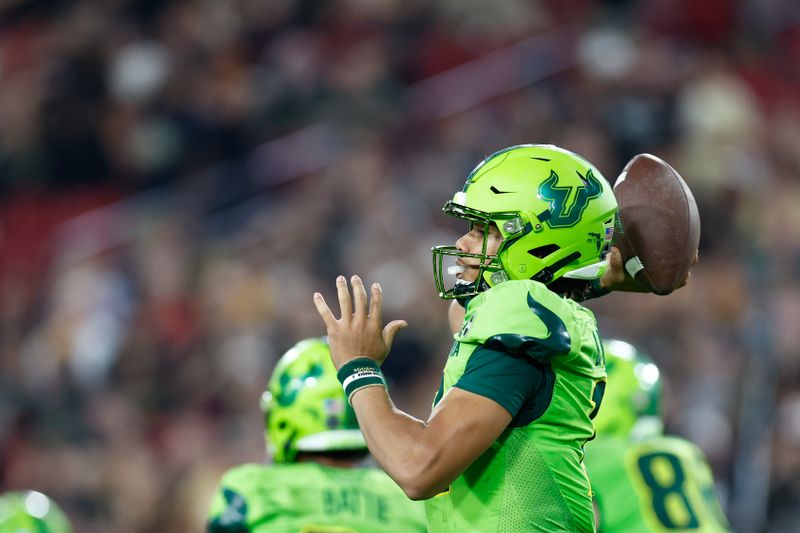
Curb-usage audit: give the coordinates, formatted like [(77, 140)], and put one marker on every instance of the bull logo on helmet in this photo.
[(563, 212), (290, 386)]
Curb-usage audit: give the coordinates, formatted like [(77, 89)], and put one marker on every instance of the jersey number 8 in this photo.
[(671, 494)]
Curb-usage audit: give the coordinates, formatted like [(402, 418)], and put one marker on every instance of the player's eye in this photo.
[(477, 228)]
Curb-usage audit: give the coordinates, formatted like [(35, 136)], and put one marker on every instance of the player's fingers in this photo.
[(359, 297), (376, 303), (615, 258), (616, 272), (391, 330), (345, 302), (323, 310)]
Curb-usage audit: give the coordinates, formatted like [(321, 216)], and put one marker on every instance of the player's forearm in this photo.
[(401, 444)]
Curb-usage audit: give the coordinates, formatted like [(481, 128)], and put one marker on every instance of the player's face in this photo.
[(472, 242)]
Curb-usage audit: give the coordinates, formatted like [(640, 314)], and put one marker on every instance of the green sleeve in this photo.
[(508, 379)]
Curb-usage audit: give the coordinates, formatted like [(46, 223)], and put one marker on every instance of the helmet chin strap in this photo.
[(465, 291), (547, 274)]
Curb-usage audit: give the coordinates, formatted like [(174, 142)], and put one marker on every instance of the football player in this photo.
[(319, 482), (31, 512), (502, 448), (643, 480)]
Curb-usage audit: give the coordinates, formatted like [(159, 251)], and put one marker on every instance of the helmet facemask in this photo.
[(490, 269)]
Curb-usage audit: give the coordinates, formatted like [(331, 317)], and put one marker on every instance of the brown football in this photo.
[(658, 229)]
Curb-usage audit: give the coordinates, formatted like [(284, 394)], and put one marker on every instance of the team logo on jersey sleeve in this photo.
[(466, 327), (234, 516)]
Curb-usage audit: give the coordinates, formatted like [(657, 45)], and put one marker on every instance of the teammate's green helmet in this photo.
[(305, 408), (31, 512), (631, 403), (554, 209)]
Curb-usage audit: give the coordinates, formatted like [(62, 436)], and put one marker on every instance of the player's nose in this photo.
[(463, 243)]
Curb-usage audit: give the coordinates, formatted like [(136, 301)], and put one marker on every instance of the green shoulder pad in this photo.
[(518, 317)]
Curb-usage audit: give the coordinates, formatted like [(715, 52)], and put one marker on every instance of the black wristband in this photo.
[(359, 373)]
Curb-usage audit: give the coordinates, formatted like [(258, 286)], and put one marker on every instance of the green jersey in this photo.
[(532, 478), (311, 498), (660, 485)]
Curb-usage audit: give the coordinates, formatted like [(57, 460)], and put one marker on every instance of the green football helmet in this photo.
[(31, 512), (304, 406), (554, 209), (632, 398)]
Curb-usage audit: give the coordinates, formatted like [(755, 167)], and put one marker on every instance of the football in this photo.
[(658, 228)]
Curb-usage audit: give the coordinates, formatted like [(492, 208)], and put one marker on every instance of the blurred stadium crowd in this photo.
[(178, 177)]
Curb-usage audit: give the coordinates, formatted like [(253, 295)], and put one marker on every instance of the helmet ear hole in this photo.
[(543, 251), (282, 424)]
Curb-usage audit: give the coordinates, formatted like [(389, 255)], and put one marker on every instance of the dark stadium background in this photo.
[(178, 177)]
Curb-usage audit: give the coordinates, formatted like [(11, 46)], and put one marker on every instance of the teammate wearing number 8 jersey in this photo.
[(319, 483), (644, 481)]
